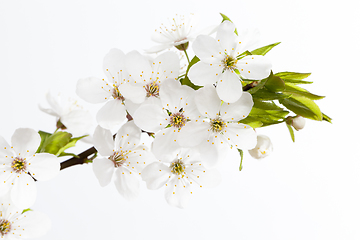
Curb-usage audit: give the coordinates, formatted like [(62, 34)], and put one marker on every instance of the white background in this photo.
[(304, 190)]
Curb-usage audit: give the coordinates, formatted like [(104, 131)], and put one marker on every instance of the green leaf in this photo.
[(44, 136), (294, 77), (295, 90), (264, 94), (72, 142), (26, 210), (291, 131), (303, 106), (56, 141), (263, 50), (228, 19), (241, 156), (326, 118), (275, 84), (253, 122), (259, 86)]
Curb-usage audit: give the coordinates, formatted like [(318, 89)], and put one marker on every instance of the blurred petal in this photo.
[(166, 66), (138, 66), (240, 135), (78, 122), (151, 118), (178, 192), (237, 110), (114, 66), (165, 146), (254, 67), (128, 136), (23, 193), (32, 224)]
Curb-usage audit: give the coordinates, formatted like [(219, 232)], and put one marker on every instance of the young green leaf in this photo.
[(263, 50), (295, 90), (293, 77), (291, 131), (228, 19), (303, 106)]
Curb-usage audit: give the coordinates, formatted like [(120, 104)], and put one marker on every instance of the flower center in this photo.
[(229, 62), (177, 167), (116, 93), (216, 125), (19, 165), (177, 120), (4, 227), (118, 158), (152, 89)]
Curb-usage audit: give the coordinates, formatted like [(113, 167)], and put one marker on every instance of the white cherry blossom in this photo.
[(177, 33), (166, 120), (263, 147), (180, 174), (122, 159), (148, 75), (69, 114), (110, 92), (218, 128), (14, 224), (20, 164), (219, 61), (298, 122)]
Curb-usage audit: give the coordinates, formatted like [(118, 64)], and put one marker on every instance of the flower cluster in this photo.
[(194, 118)]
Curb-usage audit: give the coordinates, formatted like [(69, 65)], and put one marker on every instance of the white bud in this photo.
[(263, 147), (298, 122)]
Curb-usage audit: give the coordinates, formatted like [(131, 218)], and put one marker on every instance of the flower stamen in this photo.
[(229, 63), (177, 120), (152, 89), (216, 125), (177, 167), (19, 165), (116, 93), (118, 158), (5, 227)]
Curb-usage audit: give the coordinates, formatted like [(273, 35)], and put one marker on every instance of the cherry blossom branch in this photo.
[(81, 159)]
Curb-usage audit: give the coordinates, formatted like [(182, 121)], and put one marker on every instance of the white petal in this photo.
[(54, 103), (158, 48), (127, 183), (240, 135), (229, 88), (165, 146), (114, 66), (226, 36), (139, 158), (166, 66), (208, 49), (254, 67), (263, 147), (103, 141), (156, 175), (203, 74), (203, 177), (138, 66), (174, 96), (4, 148), (103, 169), (32, 224), (23, 193), (135, 93), (6, 178), (44, 166), (208, 102), (113, 113), (151, 118), (128, 136), (212, 151), (25, 141), (93, 90), (193, 133), (178, 192), (78, 122), (237, 110)]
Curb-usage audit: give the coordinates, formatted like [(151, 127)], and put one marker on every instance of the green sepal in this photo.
[(291, 131), (303, 106), (186, 80), (44, 136), (293, 77), (263, 50), (241, 158), (227, 18), (26, 210), (295, 90)]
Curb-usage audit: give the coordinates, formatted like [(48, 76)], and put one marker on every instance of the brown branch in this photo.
[(81, 159)]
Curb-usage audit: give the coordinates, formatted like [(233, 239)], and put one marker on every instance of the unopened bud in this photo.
[(263, 147), (298, 122)]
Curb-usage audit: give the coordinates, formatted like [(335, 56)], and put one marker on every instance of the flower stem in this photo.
[(81, 159), (187, 57)]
